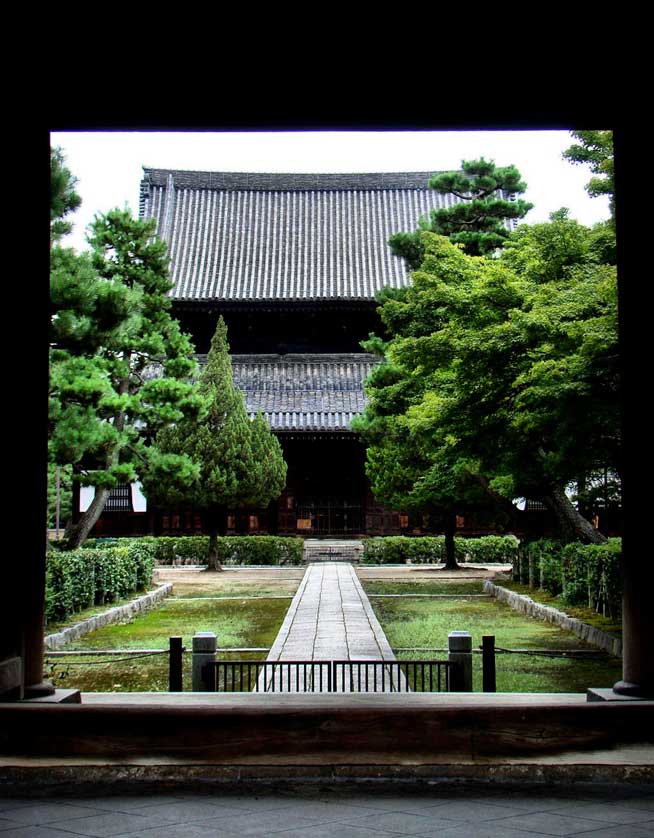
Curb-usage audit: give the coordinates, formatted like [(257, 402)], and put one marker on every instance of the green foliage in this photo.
[(111, 331), (431, 550), (494, 373), (478, 222), (77, 579), (63, 198), (237, 550), (593, 576), (580, 574), (596, 149), (224, 460)]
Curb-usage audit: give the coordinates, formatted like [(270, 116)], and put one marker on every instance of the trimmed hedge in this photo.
[(579, 574), (81, 578), (431, 550), (232, 550)]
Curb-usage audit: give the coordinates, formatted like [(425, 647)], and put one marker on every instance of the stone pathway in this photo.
[(330, 618)]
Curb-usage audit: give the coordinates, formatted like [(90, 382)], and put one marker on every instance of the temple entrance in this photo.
[(326, 485), (331, 516)]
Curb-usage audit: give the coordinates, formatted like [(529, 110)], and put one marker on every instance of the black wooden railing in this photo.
[(329, 676)]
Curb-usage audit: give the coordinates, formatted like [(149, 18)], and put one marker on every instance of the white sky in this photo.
[(108, 165)]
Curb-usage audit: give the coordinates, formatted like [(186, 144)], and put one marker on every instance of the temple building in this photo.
[(293, 263)]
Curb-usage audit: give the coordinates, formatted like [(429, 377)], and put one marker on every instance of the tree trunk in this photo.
[(572, 524), (506, 507), (217, 526), (77, 533), (450, 555)]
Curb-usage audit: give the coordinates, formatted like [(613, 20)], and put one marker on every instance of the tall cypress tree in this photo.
[(228, 460)]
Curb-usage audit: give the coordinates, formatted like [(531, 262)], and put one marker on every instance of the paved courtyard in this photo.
[(617, 812)]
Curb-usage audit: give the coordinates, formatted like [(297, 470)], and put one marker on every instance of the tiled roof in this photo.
[(303, 392), (247, 236)]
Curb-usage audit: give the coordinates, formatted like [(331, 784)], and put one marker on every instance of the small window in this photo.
[(254, 522), (120, 499)]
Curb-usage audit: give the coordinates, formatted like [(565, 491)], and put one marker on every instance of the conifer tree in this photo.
[(228, 461), (63, 198), (110, 327), (478, 221), (596, 149)]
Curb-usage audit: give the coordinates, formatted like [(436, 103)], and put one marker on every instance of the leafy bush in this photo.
[(490, 548), (431, 550), (593, 576), (232, 550), (80, 578), (580, 574)]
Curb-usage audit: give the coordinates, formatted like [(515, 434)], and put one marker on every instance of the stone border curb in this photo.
[(41, 781), (520, 602), (114, 615)]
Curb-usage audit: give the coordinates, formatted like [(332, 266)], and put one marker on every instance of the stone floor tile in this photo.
[(549, 824), (264, 823), (254, 802), (188, 811), (621, 831), (402, 823), (105, 824), (534, 803), (478, 830), (475, 810), (49, 812), (335, 830), (325, 811), (621, 812), (637, 803), (33, 831), (178, 830), (407, 804), (131, 803)]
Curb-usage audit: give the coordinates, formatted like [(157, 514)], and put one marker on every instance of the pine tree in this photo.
[(227, 460), (478, 221), (111, 326), (596, 149), (63, 198)]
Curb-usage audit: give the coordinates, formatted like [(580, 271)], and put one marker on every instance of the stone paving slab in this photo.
[(330, 618), (447, 812)]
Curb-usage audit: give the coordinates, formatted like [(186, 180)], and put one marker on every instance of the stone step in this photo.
[(325, 550)]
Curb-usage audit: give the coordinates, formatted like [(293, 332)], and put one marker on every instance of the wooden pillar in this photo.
[(637, 625), (638, 575)]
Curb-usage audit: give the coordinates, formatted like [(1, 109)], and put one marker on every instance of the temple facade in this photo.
[(293, 263)]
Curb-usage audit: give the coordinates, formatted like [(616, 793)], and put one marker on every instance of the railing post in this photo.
[(459, 645), (175, 665), (488, 663), (204, 652)]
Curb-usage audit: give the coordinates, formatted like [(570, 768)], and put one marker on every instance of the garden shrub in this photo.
[(232, 550), (261, 550), (431, 549), (593, 576), (579, 574), (80, 578), (490, 548), (544, 559)]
